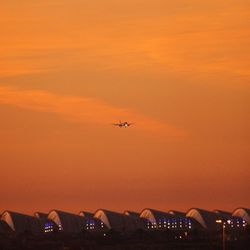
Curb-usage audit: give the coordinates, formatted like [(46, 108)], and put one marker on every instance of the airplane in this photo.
[(123, 124)]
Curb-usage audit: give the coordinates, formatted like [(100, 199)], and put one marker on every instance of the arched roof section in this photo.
[(86, 214), (243, 213), (40, 215), (92, 222), (6, 217), (47, 224), (153, 215), (21, 222), (206, 219), (117, 221), (132, 214), (102, 215), (177, 213), (223, 214), (141, 223), (67, 222)]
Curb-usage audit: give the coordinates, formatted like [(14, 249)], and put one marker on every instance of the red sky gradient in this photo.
[(180, 70)]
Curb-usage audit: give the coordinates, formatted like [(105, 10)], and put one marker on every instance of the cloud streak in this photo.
[(81, 109), (210, 38)]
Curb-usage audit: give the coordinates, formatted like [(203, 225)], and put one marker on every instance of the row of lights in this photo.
[(48, 227), (170, 224), (91, 225), (232, 223)]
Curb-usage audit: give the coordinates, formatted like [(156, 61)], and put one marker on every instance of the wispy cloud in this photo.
[(81, 109), (211, 37)]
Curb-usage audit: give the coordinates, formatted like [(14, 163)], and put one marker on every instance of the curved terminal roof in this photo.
[(140, 222), (206, 219), (177, 213), (118, 221), (21, 222), (40, 215), (243, 213), (92, 223), (86, 214), (45, 222), (67, 222), (154, 216), (224, 215), (132, 214)]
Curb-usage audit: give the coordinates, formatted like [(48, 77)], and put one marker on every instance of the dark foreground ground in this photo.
[(114, 241)]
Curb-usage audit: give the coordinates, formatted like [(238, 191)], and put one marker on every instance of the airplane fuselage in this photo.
[(122, 124)]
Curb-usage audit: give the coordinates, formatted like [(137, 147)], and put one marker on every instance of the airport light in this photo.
[(223, 232)]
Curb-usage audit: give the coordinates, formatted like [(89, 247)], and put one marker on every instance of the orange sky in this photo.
[(179, 69)]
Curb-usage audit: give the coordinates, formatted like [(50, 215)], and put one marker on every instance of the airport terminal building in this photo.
[(182, 224)]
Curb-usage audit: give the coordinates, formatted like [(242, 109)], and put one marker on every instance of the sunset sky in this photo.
[(179, 70)]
